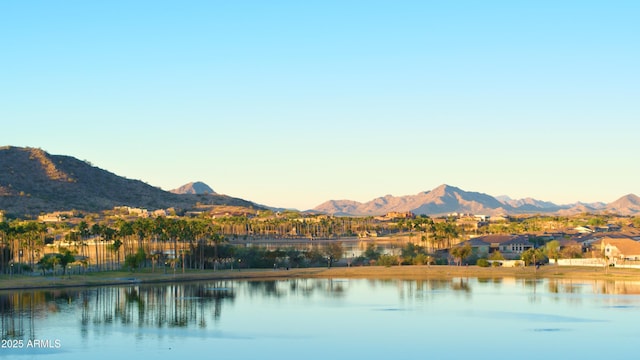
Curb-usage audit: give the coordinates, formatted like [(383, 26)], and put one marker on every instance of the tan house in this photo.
[(620, 249)]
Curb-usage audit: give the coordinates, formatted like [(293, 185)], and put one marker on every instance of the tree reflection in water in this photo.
[(173, 305), (196, 305)]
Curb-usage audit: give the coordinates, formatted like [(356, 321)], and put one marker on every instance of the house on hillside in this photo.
[(471, 223), (50, 218), (394, 215), (620, 249)]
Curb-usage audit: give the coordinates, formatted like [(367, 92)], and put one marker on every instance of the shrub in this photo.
[(387, 260), (482, 263), (442, 261)]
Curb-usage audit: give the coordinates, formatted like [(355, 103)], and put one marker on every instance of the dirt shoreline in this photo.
[(365, 272)]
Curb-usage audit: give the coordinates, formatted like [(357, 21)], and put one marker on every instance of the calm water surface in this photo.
[(326, 319)]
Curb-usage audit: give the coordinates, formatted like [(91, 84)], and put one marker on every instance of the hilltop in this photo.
[(34, 182), (197, 187)]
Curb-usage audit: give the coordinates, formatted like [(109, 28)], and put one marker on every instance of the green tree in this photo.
[(48, 262), (552, 250), (532, 256), (135, 261), (5, 247), (597, 221), (333, 252), (446, 231), (372, 252), (387, 260), (115, 248), (460, 253), (422, 259), (314, 256), (65, 259), (572, 251)]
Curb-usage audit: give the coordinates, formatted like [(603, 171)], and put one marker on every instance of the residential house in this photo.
[(516, 245), (480, 247), (593, 240), (511, 246), (620, 249)]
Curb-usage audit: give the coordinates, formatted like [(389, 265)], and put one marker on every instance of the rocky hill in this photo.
[(33, 181), (197, 187), (447, 199)]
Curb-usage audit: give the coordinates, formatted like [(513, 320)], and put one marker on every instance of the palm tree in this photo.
[(4, 246), (96, 231), (115, 248)]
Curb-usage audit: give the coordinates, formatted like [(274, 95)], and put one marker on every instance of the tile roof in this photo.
[(625, 246), (499, 239)]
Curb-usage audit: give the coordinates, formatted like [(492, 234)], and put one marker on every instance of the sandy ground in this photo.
[(378, 272)]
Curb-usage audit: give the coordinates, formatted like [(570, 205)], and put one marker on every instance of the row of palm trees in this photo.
[(105, 243)]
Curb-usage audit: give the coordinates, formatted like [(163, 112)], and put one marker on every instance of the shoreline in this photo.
[(409, 272)]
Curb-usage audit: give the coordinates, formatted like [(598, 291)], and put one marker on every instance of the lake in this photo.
[(326, 319)]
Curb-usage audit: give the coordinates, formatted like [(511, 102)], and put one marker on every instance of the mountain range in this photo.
[(446, 199), (34, 182)]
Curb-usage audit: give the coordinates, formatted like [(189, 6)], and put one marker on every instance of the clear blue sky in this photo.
[(292, 103)]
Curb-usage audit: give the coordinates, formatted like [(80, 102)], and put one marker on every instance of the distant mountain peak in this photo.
[(441, 200), (197, 187), (445, 188), (626, 205)]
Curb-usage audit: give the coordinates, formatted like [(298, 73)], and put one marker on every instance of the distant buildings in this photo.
[(394, 215), (57, 216)]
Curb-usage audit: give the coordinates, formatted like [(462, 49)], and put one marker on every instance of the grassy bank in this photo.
[(395, 272)]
